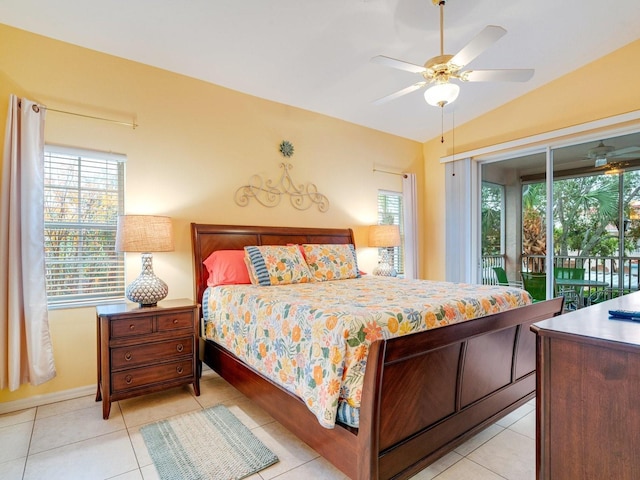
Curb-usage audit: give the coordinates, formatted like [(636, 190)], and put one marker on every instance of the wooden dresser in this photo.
[(144, 350), (588, 394)]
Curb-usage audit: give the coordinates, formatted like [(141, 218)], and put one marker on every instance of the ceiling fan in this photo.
[(601, 153), (439, 70)]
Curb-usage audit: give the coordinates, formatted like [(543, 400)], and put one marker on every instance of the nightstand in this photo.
[(145, 350)]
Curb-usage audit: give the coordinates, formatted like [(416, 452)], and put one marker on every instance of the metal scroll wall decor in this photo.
[(269, 194)]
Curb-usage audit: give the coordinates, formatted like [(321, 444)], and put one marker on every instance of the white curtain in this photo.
[(410, 197), (26, 353), (460, 188)]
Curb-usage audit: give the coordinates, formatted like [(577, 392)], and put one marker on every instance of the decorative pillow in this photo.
[(276, 265), (226, 267), (331, 261)]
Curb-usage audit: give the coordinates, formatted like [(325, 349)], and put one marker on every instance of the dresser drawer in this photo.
[(128, 327), (135, 355), (174, 321), (143, 376)]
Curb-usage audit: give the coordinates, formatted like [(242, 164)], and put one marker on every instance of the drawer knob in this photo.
[(180, 347), (175, 321), (128, 379), (179, 369), (132, 327), (128, 356)]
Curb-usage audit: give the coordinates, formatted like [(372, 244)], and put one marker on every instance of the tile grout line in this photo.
[(33, 428)]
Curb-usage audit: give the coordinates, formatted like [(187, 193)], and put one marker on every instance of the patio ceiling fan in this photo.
[(601, 153), (438, 71)]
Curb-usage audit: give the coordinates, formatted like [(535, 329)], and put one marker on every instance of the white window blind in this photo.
[(84, 194), (390, 213)]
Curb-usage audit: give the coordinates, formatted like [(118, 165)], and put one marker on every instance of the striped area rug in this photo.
[(210, 444)]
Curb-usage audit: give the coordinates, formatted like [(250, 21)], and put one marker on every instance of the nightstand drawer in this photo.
[(143, 376), (174, 321), (128, 327), (134, 355)]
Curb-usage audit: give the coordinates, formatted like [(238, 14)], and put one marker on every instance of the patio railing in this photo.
[(601, 269), (488, 262)]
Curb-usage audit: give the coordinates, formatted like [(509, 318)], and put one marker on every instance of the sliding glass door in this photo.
[(596, 230), (575, 232), (508, 204)]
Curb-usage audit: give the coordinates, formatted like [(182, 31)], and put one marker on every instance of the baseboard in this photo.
[(38, 400)]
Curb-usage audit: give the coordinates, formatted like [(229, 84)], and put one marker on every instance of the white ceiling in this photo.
[(315, 54)]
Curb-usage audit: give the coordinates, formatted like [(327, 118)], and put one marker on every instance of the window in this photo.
[(83, 196), (390, 213)]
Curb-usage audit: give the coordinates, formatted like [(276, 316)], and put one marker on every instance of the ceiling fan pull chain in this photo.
[(442, 124)]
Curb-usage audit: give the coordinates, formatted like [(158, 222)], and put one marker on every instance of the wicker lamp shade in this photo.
[(384, 236), (145, 234)]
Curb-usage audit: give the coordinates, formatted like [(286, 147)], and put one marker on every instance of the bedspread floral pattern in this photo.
[(313, 339)]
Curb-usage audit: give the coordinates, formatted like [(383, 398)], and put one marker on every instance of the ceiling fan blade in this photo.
[(399, 93), (508, 75), (624, 151), (399, 64), (487, 37)]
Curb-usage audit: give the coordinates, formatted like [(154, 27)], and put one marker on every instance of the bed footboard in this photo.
[(434, 390)]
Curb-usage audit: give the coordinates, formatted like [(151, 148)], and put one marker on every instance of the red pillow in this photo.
[(226, 267)]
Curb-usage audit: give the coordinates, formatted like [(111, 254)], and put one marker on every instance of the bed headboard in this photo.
[(206, 239)]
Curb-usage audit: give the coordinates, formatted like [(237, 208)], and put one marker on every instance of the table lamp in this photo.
[(145, 234), (385, 237)]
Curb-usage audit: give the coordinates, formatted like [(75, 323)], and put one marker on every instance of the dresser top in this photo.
[(127, 307), (594, 323)]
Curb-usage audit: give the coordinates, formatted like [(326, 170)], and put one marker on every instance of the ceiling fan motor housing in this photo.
[(601, 151)]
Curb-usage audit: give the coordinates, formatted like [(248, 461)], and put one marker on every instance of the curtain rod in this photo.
[(128, 124), (390, 173), (37, 106)]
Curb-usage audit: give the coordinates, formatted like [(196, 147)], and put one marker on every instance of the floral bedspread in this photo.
[(313, 339)]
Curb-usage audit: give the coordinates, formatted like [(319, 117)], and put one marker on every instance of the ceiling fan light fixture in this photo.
[(441, 94), (601, 162)]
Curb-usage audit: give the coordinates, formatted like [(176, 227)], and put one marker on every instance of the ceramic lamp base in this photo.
[(147, 290), (385, 267), (385, 270)]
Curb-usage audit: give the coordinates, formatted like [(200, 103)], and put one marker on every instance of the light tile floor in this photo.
[(70, 440)]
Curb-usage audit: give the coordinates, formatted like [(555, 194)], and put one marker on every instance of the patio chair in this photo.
[(604, 294), (566, 272), (572, 300), (536, 285), (501, 275), (571, 274)]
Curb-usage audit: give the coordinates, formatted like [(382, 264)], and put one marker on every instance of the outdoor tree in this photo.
[(491, 218), (534, 236), (586, 210)]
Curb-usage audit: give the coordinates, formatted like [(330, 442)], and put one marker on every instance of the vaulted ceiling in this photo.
[(315, 54)]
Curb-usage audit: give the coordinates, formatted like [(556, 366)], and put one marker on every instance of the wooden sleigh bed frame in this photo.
[(424, 393)]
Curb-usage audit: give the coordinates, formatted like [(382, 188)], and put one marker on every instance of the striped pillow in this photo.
[(276, 265)]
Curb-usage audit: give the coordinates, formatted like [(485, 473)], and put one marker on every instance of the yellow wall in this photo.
[(196, 144), (601, 89)]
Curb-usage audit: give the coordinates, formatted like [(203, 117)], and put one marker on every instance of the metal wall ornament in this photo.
[(268, 194)]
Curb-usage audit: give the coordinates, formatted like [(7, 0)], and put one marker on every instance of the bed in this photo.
[(461, 377)]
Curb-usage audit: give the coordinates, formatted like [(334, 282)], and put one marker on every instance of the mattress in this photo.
[(313, 339)]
